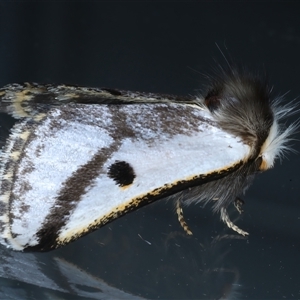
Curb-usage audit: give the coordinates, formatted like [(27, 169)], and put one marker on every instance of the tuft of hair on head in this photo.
[(279, 140), (241, 103)]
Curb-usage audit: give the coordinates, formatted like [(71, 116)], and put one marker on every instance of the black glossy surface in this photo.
[(163, 48)]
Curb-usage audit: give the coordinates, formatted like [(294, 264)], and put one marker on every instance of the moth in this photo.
[(78, 158)]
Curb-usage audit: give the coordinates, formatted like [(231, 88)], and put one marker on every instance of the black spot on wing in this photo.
[(121, 172)]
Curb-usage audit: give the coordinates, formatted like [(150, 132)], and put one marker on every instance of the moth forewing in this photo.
[(79, 158), (82, 166)]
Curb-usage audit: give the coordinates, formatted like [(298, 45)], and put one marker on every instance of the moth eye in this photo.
[(121, 172), (259, 163), (212, 102)]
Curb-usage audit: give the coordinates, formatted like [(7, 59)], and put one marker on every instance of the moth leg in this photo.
[(181, 220), (238, 203), (228, 222)]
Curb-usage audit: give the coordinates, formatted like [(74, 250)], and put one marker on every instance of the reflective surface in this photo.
[(161, 48)]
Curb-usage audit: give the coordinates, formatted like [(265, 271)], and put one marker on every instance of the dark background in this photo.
[(165, 48)]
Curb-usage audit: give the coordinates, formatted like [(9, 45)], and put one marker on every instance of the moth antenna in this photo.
[(181, 220), (228, 222)]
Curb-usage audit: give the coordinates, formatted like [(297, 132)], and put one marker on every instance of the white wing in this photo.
[(82, 166)]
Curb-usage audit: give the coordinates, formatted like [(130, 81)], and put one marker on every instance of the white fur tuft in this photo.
[(276, 145)]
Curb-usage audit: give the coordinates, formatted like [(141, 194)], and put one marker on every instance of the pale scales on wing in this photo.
[(72, 137), (192, 122)]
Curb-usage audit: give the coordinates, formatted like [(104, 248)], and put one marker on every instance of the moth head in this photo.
[(241, 104)]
